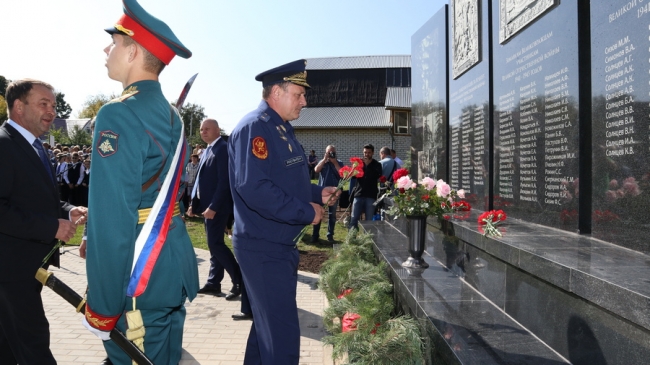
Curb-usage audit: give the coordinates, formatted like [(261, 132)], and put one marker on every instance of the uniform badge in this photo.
[(281, 131), (107, 144), (259, 148)]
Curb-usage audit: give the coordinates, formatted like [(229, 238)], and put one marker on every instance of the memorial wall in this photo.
[(620, 63), (429, 98), (536, 126), (503, 120), (469, 100)]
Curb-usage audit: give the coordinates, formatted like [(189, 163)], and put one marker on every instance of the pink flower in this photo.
[(428, 183), (461, 193), (442, 188), (405, 183), (610, 195), (613, 184), (631, 187)]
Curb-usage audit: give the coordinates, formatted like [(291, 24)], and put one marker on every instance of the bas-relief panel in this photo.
[(517, 14), (429, 95), (466, 37), (536, 131), (620, 51), (469, 123)]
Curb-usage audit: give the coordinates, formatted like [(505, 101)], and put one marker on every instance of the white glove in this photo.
[(104, 335)]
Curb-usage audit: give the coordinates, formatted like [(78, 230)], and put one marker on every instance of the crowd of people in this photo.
[(140, 263), (72, 167)]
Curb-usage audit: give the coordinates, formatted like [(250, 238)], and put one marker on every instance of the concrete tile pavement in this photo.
[(210, 337)]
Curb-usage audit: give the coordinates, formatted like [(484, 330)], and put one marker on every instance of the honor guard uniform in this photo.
[(138, 146), (271, 190)]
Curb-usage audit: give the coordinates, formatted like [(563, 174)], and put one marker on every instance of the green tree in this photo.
[(92, 104), (3, 109), (79, 136), (192, 115), (63, 109), (60, 136), (3, 85)]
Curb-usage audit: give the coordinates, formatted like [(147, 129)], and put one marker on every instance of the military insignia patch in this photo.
[(259, 148), (107, 144)]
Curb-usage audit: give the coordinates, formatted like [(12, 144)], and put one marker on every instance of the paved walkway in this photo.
[(211, 336)]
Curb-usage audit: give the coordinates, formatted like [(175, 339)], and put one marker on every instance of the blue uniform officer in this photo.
[(273, 200)]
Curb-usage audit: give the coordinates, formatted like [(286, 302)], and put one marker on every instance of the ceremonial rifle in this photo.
[(48, 279)]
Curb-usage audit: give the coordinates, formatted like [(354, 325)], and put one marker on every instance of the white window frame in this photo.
[(402, 129)]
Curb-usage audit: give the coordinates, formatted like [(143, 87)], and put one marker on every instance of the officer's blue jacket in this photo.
[(269, 181)]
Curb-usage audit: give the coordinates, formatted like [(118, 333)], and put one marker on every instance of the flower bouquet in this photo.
[(346, 173), (428, 197), (490, 220)]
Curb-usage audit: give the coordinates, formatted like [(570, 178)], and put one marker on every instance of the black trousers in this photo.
[(24, 330), (221, 257)]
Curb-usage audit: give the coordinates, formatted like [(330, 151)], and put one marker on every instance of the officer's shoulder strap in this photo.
[(122, 98), (264, 117)]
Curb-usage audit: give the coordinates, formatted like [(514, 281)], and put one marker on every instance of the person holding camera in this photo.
[(328, 168)]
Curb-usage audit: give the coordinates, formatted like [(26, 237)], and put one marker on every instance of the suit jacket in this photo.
[(29, 208), (214, 183)]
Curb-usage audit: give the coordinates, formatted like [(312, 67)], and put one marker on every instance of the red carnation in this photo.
[(425, 197), (382, 179), (345, 171), (357, 161), (399, 173), (401, 190), (344, 293), (358, 171)]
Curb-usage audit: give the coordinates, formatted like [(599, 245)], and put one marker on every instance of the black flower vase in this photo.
[(416, 227)]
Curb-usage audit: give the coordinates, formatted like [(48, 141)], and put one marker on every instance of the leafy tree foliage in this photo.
[(192, 115), (3, 109), (60, 136), (92, 105), (63, 109), (80, 137), (3, 85)]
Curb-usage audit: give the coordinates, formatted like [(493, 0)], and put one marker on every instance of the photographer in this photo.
[(328, 168)]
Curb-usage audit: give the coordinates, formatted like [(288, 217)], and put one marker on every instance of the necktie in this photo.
[(195, 189), (41, 153)]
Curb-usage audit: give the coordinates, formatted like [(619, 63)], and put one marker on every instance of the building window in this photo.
[(401, 122)]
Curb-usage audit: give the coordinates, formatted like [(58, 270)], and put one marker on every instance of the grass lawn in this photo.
[(197, 235)]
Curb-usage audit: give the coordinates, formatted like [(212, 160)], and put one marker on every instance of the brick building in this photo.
[(354, 101)]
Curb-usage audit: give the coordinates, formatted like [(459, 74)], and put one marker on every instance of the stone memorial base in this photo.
[(537, 295)]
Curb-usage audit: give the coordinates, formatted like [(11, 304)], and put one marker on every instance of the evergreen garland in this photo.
[(364, 289)]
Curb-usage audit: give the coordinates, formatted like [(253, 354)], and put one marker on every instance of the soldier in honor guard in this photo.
[(140, 261), (274, 200)]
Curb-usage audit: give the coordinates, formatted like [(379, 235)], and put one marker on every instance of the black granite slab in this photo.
[(620, 49), (461, 325), (469, 105), (586, 298), (536, 126), (429, 98)]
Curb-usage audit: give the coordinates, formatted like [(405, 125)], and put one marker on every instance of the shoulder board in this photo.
[(123, 97), (264, 117)]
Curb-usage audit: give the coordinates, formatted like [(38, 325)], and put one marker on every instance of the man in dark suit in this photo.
[(211, 198), (30, 222)]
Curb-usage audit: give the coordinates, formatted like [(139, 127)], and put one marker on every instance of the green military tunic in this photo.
[(134, 136)]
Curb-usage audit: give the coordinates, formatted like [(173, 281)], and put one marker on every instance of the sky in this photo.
[(62, 41)]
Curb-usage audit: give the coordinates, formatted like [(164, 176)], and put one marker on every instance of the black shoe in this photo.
[(211, 291), (242, 317), (234, 292), (314, 239), (106, 361), (330, 239)]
